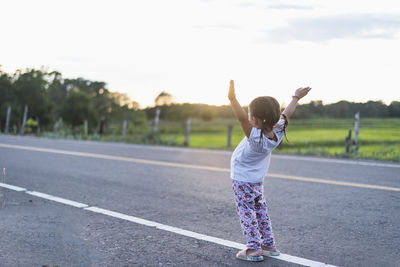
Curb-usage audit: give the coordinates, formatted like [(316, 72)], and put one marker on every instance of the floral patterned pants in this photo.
[(253, 213)]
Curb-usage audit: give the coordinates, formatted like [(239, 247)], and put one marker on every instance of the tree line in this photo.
[(313, 109), (50, 98), (346, 109)]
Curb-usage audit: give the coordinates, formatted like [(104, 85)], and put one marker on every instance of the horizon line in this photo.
[(305, 103)]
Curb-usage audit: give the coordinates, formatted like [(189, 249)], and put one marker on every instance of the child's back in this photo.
[(250, 160), (264, 128)]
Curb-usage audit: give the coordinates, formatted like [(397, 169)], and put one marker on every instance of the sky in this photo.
[(344, 50)]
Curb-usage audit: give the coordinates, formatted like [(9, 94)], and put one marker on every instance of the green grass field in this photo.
[(378, 138)]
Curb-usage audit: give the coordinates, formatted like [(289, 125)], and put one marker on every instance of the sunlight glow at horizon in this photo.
[(344, 50)]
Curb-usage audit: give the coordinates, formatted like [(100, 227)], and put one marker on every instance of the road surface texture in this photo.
[(325, 211)]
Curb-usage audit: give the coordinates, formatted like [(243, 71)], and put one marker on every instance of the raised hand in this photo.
[(302, 92), (239, 112), (299, 93), (231, 94)]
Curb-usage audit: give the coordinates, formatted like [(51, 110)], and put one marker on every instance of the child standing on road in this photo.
[(264, 128)]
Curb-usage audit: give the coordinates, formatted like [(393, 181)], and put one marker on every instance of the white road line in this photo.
[(338, 161), (13, 187), (326, 181), (119, 158), (224, 152), (211, 239), (57, 199), (122, 216), (160, 226), (167, 228), (199, 167)]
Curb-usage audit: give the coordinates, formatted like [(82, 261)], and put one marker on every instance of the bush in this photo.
[(30, 126)]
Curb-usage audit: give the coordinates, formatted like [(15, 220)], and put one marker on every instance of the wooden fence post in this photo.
[(7, 119), (38, 125), (348, 141), (101, 130), (85, 127), (24, 120), (124, 125), (229, 137), (156, 119), (187, 136), (357, 117)]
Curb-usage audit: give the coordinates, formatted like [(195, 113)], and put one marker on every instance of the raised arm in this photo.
[(300, 93), (239, 112)]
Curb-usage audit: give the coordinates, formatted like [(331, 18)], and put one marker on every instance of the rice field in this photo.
[(378, 138)]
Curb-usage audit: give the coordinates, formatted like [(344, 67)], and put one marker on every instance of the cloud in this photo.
[(284, 6), (337, 27), (226, 26), (246, 4)]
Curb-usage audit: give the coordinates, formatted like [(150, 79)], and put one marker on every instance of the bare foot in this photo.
[(253, 252), (268, 249), (250, 252), (250, 255)]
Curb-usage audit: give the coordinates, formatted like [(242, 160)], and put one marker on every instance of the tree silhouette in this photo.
[(163, 98), (78, 108)]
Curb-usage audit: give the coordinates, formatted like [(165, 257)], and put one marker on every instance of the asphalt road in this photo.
[(336, 224)]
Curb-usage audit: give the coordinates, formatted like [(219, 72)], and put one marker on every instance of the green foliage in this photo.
[(61, 129), (30, 89), (207, 115), (7, 97), (139, 124), (342, 109), (394, 109), (378, 138), (49, 97), (61, 106), (163, 98), (78, 108), (30, 125), (6, 91), (24, 88), (57, 93), (181, 112)]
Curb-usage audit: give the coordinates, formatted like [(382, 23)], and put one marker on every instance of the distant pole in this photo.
[(124, 125), (85, 127), (101, 130), (7, 119), (24, 119), (156, 119), (357, 117), (187, 136), (229, 137), (348, 141)]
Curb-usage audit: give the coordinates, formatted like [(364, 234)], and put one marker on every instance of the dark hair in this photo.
[(267, 109)]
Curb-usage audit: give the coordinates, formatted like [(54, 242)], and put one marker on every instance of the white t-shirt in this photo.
[(250, 160)]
